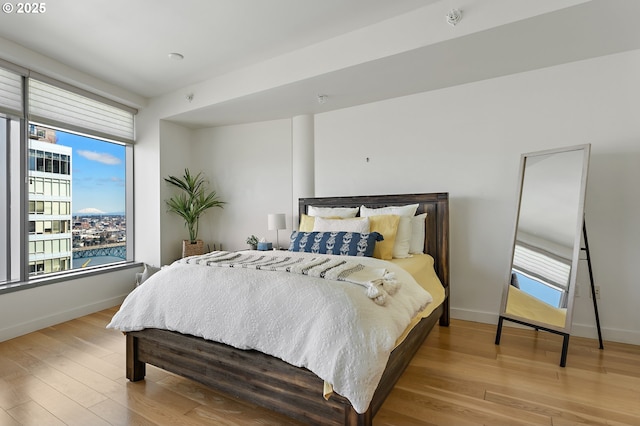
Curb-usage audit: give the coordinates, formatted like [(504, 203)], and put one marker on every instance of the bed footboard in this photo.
[(262, 379), (247, 375)]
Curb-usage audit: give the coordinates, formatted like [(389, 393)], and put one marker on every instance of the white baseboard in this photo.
[(54, 318), (579, 330), (475, 316), (608, 334)]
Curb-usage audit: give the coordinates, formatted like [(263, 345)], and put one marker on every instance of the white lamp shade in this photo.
[(276, 221)]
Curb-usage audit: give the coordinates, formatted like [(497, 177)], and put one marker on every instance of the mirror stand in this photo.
[(593, 286), (565, 336)]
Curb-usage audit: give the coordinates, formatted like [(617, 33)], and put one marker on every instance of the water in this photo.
[(95, 261)]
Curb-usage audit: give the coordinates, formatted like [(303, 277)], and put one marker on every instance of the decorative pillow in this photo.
[(340, 243), (401, 248), (145, 274), (417, 234), (387, 225), (306, 223), (356, 224), (332, 211)]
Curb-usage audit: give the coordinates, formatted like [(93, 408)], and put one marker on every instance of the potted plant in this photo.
[(193, 200), (253, 242)]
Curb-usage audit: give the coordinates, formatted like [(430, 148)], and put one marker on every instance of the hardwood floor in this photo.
[(73, 374)]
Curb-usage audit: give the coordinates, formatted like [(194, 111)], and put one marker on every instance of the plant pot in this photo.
[(192, 249)]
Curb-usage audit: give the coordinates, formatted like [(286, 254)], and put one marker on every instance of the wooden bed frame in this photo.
[(274, 384)]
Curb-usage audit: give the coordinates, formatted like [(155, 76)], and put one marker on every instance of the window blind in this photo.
[(541, 265), (10, 92), (56, 106)]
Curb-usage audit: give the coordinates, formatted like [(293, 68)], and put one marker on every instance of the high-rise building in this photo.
[(50, 238)]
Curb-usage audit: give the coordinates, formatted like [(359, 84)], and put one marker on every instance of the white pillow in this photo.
[(416, 245), (358, 224), (332, 211), (408, 210), (402, 244), (403, 238)]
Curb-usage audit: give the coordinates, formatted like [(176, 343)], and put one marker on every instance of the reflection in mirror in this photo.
[(541, 283)]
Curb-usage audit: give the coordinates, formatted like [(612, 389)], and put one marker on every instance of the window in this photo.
[(542, 274), (92, 216), (74, 149)]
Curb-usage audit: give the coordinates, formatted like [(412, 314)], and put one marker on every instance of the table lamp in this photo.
[(276, 221)]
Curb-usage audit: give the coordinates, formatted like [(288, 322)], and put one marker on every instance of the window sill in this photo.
[(66, 276)]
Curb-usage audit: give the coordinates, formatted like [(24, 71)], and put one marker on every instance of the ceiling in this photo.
[(125, 43)]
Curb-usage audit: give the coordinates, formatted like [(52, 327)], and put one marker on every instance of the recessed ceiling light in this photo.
[(176, 56)]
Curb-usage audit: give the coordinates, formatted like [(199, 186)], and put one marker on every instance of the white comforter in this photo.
[(329, 327)]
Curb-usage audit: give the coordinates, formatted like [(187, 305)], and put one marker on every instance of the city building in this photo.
[(49, 203)]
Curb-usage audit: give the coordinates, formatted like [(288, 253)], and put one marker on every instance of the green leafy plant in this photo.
[(252, 241), (194, 200)]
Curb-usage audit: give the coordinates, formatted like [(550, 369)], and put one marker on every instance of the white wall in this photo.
[(28, 310), (175, 145), (467, 141), (250, 168)]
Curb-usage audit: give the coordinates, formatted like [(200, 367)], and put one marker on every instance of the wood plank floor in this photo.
[(73, 374)]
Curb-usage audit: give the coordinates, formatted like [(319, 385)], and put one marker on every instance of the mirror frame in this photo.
[(586, 148)]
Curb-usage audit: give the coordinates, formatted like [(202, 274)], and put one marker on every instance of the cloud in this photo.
[(100, 157)]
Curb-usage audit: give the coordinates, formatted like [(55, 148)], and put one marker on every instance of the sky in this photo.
[(538, 290), (98, 174)]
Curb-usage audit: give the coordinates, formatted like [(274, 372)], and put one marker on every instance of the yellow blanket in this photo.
[(526, 306), (420, 266)]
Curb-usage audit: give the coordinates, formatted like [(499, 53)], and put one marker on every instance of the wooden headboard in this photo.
[(436, 205)]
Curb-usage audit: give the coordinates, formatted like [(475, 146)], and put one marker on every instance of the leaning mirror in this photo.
[(540, 285)]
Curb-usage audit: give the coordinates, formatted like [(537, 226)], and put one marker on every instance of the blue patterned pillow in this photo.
[(340, 243)]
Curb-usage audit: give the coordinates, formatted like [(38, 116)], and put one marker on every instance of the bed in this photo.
[(267, 381)]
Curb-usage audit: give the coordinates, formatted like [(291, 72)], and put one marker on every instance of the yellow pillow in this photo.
[(306, 223), (387, 225)]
